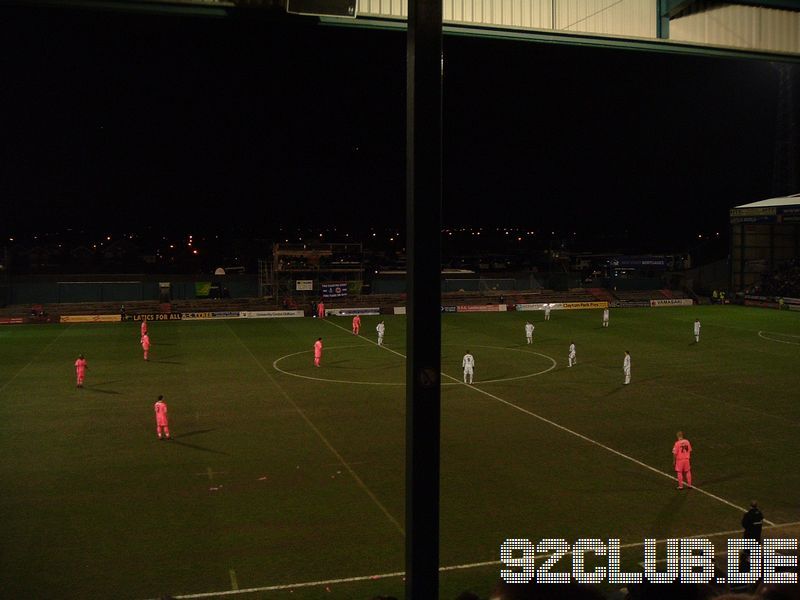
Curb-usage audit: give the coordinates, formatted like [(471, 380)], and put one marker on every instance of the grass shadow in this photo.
[(195, 432), (728, 477), (98, 391), (669, 511), (616, 390)]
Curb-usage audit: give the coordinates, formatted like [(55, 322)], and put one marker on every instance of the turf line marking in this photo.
[(462, 567), (211, 472), (322, 437), (234, 581), (734, 532), (583, 437), (38, 354), (764, 337), (348, 381)]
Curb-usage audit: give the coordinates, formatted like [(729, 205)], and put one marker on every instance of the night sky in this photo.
[(113, 121)]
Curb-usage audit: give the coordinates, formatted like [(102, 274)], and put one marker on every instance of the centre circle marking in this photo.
[(764, 335), (502, 379)]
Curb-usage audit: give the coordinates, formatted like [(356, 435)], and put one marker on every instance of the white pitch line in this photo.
[(764, 337), (322, 437), (583, 437), (461, 567), (277, 368), (348, 381), (31, 361)]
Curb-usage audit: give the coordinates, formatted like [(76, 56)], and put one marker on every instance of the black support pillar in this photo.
[(423, 337)]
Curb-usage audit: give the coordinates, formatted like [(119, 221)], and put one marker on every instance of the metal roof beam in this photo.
[(572, 39), (672, 8), (779, 4), (201, 8), (212, 8)]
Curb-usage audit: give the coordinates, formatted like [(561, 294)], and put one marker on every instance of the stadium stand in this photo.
[(386, 302)]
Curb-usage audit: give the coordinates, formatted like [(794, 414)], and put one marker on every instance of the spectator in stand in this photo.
[(536, 591), (778, 591), (670, 591)]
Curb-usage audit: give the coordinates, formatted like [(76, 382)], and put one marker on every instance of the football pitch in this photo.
[(281, 474)]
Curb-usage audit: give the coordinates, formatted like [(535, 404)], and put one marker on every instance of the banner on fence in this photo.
[(201, 316), (154, 317), (671, 302), (349, 312), (582, 305), (562, 305), (90, 318), (481, 308), (399, 310), (271, 314)]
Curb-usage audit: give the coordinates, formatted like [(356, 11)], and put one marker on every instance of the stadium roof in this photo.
[(793, 200)]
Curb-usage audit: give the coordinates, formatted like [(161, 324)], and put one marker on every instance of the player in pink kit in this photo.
[(80, 370), (144, 328), (321, 310), (356, 325), (161, 417), (681, 454), (146, 345), (317, 352)]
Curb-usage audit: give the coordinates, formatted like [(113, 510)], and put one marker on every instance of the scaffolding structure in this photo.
[(296, 272)]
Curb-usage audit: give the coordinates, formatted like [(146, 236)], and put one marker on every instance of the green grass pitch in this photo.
[(281, 473)]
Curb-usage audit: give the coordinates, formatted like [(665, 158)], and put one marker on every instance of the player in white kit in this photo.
[(626, 367), (571, 357), (468, 362), (697, 331), (381, 329), (529, 332), (605, 317), (546, 312)]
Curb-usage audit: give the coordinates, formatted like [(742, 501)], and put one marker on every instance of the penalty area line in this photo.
[(461, 567)]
